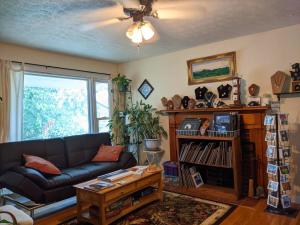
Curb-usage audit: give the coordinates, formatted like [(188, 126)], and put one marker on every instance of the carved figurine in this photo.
[(170, 105), (185, 102), (192, 103), (164, 102), (176, 101), (253, 90), (279, 81)]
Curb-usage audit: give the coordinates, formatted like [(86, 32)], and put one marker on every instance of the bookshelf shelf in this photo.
[(203, 164), (198, 137)]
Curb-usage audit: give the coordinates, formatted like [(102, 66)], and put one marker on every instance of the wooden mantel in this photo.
[(252, 131)]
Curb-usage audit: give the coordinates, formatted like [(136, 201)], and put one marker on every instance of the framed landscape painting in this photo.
[(212, 68)]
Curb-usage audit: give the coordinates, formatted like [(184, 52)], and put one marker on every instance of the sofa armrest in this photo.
[(31, 174), (22, 185), (127, 160)]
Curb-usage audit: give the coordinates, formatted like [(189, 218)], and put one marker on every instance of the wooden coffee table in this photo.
[(104, 198)]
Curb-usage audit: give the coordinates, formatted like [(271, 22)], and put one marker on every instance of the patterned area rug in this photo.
[(175, 209)]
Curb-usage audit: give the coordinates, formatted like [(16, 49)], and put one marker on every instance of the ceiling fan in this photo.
[(142, 30), (137, 11)]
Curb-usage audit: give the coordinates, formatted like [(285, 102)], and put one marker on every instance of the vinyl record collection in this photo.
[(207, 153), (278, 153), (190, 177)]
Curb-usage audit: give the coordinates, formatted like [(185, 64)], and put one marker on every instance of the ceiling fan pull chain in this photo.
[(138, 49)]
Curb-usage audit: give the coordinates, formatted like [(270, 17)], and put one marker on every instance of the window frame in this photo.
[(91, 80), (94, 103)]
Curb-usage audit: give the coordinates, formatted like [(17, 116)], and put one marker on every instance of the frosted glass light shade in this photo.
[(137, 36), (147, 31), (131, 30), (137, 32)]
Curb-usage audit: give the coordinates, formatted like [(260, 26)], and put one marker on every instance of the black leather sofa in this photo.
[(72, 155)]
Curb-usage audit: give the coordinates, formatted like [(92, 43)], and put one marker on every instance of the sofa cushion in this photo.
[(41, 165), (107, 153), (11, 154), (81, 149)]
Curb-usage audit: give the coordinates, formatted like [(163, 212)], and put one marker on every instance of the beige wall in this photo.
[(258, 57), (29, 55)]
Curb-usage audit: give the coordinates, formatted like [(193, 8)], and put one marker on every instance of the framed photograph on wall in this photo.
[(145, 89), (212, 68)]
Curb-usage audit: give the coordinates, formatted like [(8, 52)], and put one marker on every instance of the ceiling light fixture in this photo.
[(140, 31)]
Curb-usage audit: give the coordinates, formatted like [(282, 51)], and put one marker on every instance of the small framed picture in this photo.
[(272, 169), (286, 152), (145, 89), (270, 136), (286, 186), (269, 120), (272, 201), (197, 179), (274, 194), (271, 151), (285, 201), (283, 178), (283, 135), (284, 170), (283, 118), (273, 185)]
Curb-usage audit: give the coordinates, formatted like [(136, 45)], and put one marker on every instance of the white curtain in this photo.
[(16, 102), (4, 101)]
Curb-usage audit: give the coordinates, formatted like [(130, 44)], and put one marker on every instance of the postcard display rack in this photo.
[(278, 154)]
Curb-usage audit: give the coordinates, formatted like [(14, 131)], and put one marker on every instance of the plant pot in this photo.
[(122, 88), (152, 144)]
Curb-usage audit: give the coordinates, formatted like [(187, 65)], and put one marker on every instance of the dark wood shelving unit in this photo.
[(236, 191)]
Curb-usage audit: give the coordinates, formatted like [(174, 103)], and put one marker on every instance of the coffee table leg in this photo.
[(79, 206), (160, 189), (101, 215)]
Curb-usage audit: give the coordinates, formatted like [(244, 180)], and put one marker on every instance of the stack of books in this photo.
[(99, 186)]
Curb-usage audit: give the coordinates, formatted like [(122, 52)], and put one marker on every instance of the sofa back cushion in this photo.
[(11, 154), (81, 149)]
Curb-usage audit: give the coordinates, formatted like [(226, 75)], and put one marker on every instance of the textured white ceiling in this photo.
[(57, 25)]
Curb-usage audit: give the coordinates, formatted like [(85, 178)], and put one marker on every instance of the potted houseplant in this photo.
[(122, 82), (144, 125), (153, 132)]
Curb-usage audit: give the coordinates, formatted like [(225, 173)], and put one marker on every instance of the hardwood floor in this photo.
[(248, 212)]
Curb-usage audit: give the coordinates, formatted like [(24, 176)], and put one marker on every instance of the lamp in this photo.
[(139, 31)]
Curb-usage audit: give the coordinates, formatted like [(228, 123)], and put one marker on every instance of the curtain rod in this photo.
[(56, 67)]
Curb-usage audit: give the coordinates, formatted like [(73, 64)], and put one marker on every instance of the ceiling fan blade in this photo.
[(102, 13), (178, 4), (130, 4), (123, 18), (95, 25), (166, 14)]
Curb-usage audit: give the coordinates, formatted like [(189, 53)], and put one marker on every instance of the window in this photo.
[(102, 105), (58, 106)]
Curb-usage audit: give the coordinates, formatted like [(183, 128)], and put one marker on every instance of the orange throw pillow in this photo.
[(41, 165), (107, 153)]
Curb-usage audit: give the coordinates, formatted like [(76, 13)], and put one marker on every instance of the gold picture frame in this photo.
[(213, 68)]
